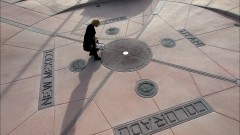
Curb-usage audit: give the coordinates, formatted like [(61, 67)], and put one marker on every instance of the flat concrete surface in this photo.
[(97, 99)]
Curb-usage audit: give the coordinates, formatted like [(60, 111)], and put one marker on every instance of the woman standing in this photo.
[(89, 43)]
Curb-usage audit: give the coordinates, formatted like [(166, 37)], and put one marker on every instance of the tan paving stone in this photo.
[(223, 4), (119, 102), (201, 2), (65, 114), (235, 11), (63, 58), (92, 117), (202, 20), (187, 55), (29, 17), (164, 132), (229, 60), (108, 132), (156, 30), (175, 14), (29, 4), (57, 25), (133, 28), (7, 31), (33, 40), (208, 85), (45, 10), (182, 1), (41, 123), (211, 124), (19, 100), (225, 38), (174, 86), (59, 42), (226, 102), (71, 86), (10, 10), (18, 63)]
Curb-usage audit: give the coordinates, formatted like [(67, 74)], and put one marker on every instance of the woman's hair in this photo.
[(95, 22)]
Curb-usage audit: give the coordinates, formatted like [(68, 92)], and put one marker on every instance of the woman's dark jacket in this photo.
[(89, 38)]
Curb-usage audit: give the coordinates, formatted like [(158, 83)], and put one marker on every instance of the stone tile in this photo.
[(10, 10), (164, 132), (141, 8), (40, 123), (71, 86), (202, 21), (156, 30), (175, 14), (211, 124), (226, 102), (108, 132), (187, 55), (224, 5), (7, 31), (44, 10), (208, 85), (229, 60), (18, 63), (29, 17), (29, 4), (143, 20), (76, 34), (235, 11), (92, 121), (59, 42), (57, 25), (118, 95), (201, 2), (122, 25), (63, 58), (60, 5), (182, 1), (19, 100), (134, 29), (225, 38), (65, 114), (174, 86), (33, 40)]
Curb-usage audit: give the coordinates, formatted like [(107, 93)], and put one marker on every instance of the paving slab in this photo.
[(91, 117), (224, 38), (8, 31), (198, 23), (19, 100), (115, 98), (206, 87), (230, 105), (174, 86), (211, 124), (32, 40), (40, 122), (224, 5), (19, 63)]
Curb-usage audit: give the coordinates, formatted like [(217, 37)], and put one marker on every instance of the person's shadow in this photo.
[(75, 108)]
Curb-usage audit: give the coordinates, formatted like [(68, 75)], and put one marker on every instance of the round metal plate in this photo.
[(112, 31), (77, 65), (168, 42), (146, 88), (138, 55)]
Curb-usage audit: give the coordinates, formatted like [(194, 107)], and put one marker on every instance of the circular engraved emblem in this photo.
[(146, 88), (126, 55), (168, 42), (77, 65), (112, 31)]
